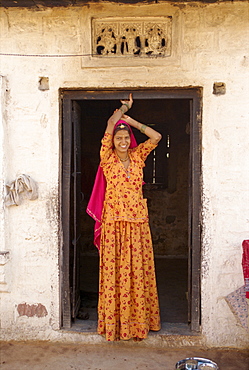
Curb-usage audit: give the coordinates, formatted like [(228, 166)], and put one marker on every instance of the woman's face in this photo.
[(122, 141)]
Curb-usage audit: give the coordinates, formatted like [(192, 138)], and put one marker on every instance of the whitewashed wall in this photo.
[(210, 44)]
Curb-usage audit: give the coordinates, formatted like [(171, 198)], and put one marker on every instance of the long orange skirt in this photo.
[(128, 301)]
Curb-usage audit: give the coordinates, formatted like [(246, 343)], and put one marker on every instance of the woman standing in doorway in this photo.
[(128, 302)]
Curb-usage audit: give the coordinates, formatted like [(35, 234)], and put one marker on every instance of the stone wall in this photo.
[(208, 45)]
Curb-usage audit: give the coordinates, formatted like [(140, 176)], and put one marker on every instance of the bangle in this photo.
[(121, 110), (127, 106), (143, 128)]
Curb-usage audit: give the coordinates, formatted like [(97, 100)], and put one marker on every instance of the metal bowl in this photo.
[(197, 363)]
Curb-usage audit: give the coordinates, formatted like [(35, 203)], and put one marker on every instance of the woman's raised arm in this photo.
[(154, 136), (118, 113)]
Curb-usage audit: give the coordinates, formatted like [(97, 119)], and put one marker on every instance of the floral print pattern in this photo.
[(128, 301)]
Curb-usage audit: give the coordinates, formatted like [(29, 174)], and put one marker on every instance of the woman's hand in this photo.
[(118, 113), (125, 117), (129, 101), (154, 136)]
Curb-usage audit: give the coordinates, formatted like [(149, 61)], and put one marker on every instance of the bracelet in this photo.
[(143, 128), (127, 106), (121, 110)]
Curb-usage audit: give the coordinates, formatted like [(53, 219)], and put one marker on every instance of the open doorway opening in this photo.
[(168, 189)]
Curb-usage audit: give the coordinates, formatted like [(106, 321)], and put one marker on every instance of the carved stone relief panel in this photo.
[(132, 37)]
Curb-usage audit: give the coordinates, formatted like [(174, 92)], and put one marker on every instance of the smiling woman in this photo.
[(128, 301), (122, 141)]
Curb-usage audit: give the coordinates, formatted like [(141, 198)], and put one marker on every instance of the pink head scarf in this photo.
[(95, 204)]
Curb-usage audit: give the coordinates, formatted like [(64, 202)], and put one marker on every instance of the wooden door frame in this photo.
[(193, 94)]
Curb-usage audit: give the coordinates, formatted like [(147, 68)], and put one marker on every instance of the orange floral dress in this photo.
[(128, 301)]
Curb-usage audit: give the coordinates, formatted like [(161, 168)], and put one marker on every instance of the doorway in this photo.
[(172, 189)]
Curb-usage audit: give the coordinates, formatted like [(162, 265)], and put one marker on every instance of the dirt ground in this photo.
[(112, 356)]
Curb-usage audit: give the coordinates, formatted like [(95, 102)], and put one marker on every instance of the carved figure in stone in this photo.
[(155, 41), (130, 41), (132, 37), (106, 42)]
